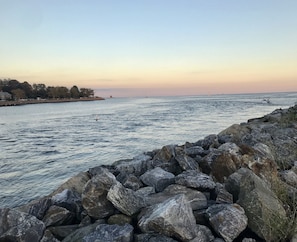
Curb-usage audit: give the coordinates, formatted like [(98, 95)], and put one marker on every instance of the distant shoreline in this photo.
[(35, 101)]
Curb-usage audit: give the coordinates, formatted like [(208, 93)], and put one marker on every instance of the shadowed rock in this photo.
[(157, 178), (195, 179), (124, 199), (173, 218), (19, 226), (228, 220)]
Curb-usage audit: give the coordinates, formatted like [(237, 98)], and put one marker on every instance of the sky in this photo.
[(151, 47)]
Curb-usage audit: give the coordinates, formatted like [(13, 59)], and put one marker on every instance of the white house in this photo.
[(5, 96)]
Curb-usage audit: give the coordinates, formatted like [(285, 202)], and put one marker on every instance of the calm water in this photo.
[(43, 145)]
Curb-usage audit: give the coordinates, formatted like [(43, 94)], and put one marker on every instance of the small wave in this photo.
[(48, 152)]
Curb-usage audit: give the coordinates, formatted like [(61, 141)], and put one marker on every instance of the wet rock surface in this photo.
[(238, 185)]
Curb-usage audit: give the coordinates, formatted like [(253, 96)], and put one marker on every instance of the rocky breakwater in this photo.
[(238, 185)]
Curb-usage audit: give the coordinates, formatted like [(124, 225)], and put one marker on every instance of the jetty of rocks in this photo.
[(238, 185)]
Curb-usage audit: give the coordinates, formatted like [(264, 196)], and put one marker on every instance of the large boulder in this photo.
[(157, 178), (75, 183), (124, 199), (196, 198), (137, 166), (186, 162), (195, 179), (228, 220), (56, 215), (19, 226), (266, 215), (172, 218), (94, 195), (114, 233)]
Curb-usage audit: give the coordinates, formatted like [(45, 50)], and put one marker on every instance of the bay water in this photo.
[(43, 145)]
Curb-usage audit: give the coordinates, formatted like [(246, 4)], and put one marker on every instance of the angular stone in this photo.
[(203, 234), (210, 141), (222, 195), (224, 165), (290, 177), (172, 218), (157, 178), (79, 234), (60, 232), (56, 215), (265, 212), (166, 153), (75, 183), (196, 198), (230, 148), (119, 219), (151, 237), (70, 200), (137, 166), (132, 182), (49, 237), (187, 163), (145, 191), (228, 220), (194, 179), (94, 195), (19, 226), (124, 199), (194, 151), (37, 208), (115, 233)]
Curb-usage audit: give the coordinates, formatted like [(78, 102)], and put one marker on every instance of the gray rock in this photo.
[(94, 195), (157, 178), (290, 177), (70, 200), (119, 219), (262, 207), (232, 184), (222, 195), (151, 237), (37, 208), (187, 163), (210, 141), (49, 237), (172, 218), (230, 147), (228, 220), (195, 179), (60, 232), (203, 234), (79, 234), (75, 183), (166, 153), (56, 215), (19, 226), (137, 166), (110, 233), (124, 199), (194, 151), (145, 191), (196, 198), (132, 182), (224, 164)]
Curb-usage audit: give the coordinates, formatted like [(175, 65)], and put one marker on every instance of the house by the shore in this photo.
[(5, 96)]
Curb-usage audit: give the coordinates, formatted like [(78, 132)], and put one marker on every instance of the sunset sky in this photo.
[(151, 47)]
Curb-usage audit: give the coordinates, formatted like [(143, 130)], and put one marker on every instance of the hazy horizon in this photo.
[(151, 48)]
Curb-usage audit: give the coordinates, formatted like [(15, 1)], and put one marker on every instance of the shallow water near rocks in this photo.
[(43, 145)]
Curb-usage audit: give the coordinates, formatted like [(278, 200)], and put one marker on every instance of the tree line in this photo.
[(25, 90)]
